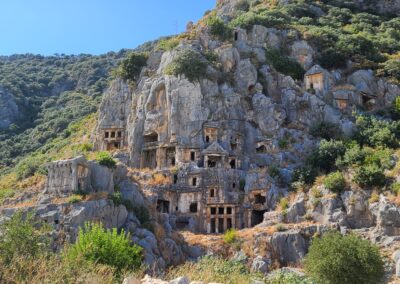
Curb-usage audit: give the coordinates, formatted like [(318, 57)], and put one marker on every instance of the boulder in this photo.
[(290, 246), (303, 53)]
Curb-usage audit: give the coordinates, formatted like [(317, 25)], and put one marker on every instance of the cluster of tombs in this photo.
[(343, 96), (207, 190)]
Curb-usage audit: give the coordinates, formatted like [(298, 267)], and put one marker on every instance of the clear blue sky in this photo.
[(91, 26)]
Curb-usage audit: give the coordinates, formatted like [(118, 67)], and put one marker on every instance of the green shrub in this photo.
[(230, 236), (168, 44), (332, 59), (283, 143), (242, 184), (28, 166), (375, 132), (288, 278), (218, 28), (354, 155), (213, 269), (74, 199), (105, 159), (130, 68), (391, 68), (143, 214), (99, 245), (336, 259), (396, 188), (284, 64), (274, 172), (335, 182), (369, 175), (280, 228), (189, 63), (326, 131), (327, 153), (304, 175), (118, 199), (283, 203), (6, 193), (20, 237)]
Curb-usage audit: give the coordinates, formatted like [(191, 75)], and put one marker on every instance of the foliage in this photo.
[(343, 259), (189, 63), (280, 227), (230, 236), (396, 188), (99, 245), (28, 167), (354, 155), (20, 238), (283, 203), (218, 28), (50, 92), (168, 43), (212, 269), (332, 59), (143, 215), (118, 199), (284, 64), (369, 175), (274, 172), (325, 155), (288, 278), (335, 182), (325, 130), (129, 69), (105, 159), (304, 174), (374, 197), (376, 132), (75, 198)]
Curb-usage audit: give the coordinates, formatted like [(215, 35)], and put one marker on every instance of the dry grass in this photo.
[(160, 179)]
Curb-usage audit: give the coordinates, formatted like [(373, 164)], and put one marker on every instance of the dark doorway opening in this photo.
[(257, 216), (162, 206)]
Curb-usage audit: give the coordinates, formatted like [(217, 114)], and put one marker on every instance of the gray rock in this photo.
[(290, 246)]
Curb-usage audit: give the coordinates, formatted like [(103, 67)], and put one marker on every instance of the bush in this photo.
[(396, 188), (284, 64), (332, 59), (213, 269), (288, 278), (280, 228), (218, 28), (327, 153), (369, 175), (374, 132), (274, 172), (284, 203), (28, 167), (98, 245), (168, 44), (130, 68), (75, 198), (343, 259), (326, 131), (354, 155), (118, 199), (230, 236), (304, 175), (21, 238), (189, 63), (105, 159), (335, 182)]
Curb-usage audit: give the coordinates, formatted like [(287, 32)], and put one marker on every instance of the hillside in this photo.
[(231, 152)]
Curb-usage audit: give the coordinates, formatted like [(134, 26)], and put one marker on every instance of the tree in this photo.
[(20, 237), (130, 67), (337, 259)]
